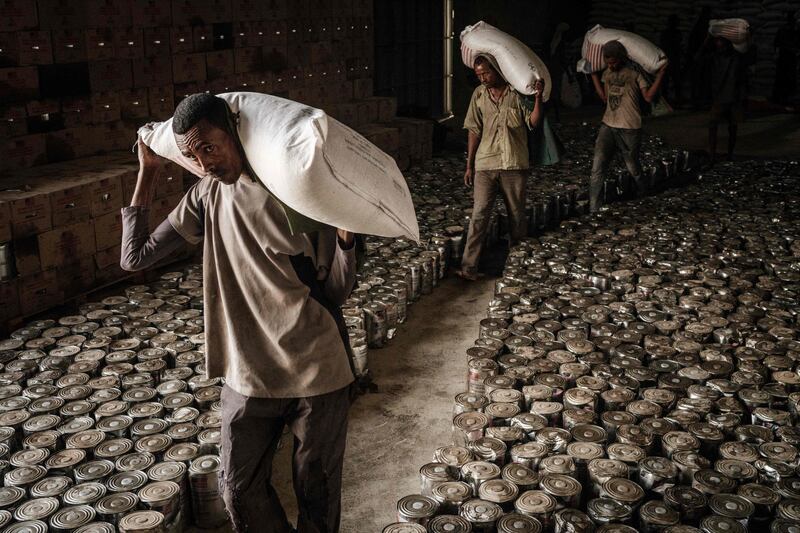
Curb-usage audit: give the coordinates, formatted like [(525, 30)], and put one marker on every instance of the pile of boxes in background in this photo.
[(78, 77)]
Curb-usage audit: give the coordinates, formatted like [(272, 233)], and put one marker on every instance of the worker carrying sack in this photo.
[(312, 163), (737, 31), (516, 63), (640, 50)]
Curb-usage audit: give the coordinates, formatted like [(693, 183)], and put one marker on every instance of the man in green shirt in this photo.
[(497, 157)]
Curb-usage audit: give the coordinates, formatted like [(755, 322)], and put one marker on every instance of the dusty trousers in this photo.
[(251, 429), (609, 140), (488, 183)]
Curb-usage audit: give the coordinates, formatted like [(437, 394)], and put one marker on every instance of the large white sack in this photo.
[(518, 64), (737, 31), (640, 50), (314, 164)]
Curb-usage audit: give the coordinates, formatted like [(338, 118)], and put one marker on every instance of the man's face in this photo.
[(214, 150), (487, 75), (613, 63)]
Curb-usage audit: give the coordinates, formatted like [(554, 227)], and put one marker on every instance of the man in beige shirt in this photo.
[(273, 325), (497, 158), (620, 88)]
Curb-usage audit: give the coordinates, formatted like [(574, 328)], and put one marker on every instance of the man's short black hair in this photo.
[(616, 50), (197, 107)]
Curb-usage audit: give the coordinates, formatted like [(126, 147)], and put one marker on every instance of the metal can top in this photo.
[(479, 511), (158, 491), (529, 450), (417, 506), (759, 494), (454, 492), (731, 506), (167, 471), (607, 468), (789, 509), (50, 487), (429, 471), (113, 424), (24, 476), (449, 524), (85, 440), (72, 517), (36, 509), (534, 502), (680, 440), (30, 457), (623, 490), (470, 421), (117, 504), (65, 459), (560, 486), (735, 469), (721, 524), (141, 521), (183, 452), (113, 448), (520, 475), (404, 527), (480, 470), (657, 513), (153, 443), (28, 526), (128, 481), (529, 422), (627, 453), (204, 464), (148, 426), (498, 491), (135, 461), (712, 482), (588, 433), (557, 464), (742, 451), (84, 493), (518, 523), (607, 509), (182, 415), (94, 470), (778, 451)]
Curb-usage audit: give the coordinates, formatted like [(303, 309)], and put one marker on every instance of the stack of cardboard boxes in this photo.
[(65, 233), (78, 77)]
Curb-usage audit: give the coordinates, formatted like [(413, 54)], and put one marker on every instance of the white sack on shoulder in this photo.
[(314, 164), (737, 31), (518, 64), (640, 50)]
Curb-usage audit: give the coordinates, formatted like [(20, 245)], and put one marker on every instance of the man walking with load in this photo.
[(497, 157), (274, 328), (620, 88)]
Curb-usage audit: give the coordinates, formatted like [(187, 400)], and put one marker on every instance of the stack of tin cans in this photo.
[(107, 421), (638, 371)]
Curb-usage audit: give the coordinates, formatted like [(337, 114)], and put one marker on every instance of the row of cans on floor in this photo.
[(661, 397), (107, 420)]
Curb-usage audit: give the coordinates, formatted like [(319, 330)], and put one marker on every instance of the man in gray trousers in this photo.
[(620, 88), (273, 325)]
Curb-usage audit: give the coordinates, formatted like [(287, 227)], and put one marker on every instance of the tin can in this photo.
[(468, 427), (162, 496), (624, 491), (690, 503), (539, 505), (135, 461), (481, 514), (404, 527), (36, 509), (572, 521), (84, 494), (431, 475), (764, 500), (68, 519), (130, 481), (655, 516), (521, 476), (732, 506), (449, 523), (655, 472), (450, 495), (718, 524), (528, 454), (208, 509), (475, 473), (416, 509), (518, 523)]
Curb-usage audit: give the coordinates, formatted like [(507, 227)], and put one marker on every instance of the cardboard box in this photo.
[(36, 108), (35, 48), (110, 75), (276, 33), (128, 180), (181, 40), (39, 292), (13, 121), (161, 208), (148, 13), (64, 244), (9, 295), (188, 67), (108, 269), (108, 230), (117, 135), (203, 38), (23, 152), (76, 111), (26, 256), (5, 221), (348, 113), (152, 71), (105, 107), (109, 257), (367, 111), (69, 46), (129, 43), (29, 210), (70, 143), (76, 277), (9, 50), (161, 101), (16, 15), (133, 104), (69, 201), (170, 181), (275, 9), (20, 83), (106, 193), (192, 12), (182, 90), (244, 10), (109, 13), (247, 59), (99, 44), (62, 14), (219, 64), (156, 42), (362, 88)]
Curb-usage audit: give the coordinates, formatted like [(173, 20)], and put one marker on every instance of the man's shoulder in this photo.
[(479, 91)]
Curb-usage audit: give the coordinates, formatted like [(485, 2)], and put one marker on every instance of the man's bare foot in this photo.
[(468, 276)]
